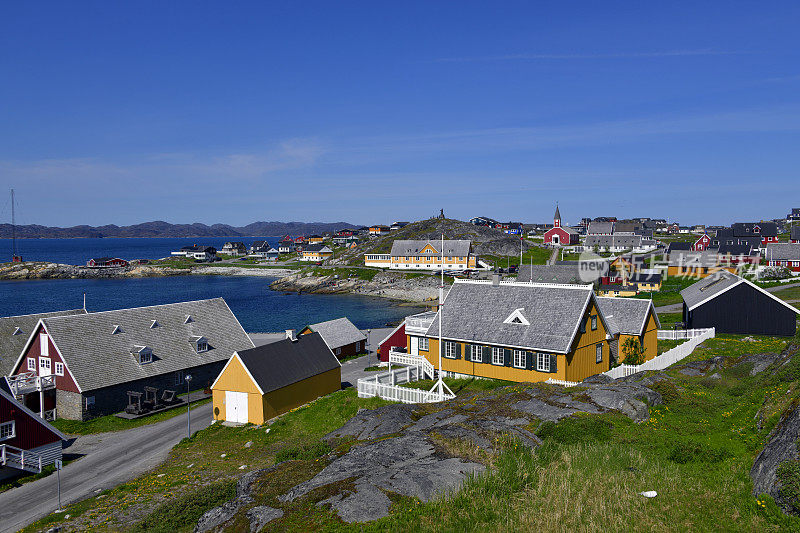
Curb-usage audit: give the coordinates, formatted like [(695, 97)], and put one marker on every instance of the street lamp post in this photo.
[(188, 404)]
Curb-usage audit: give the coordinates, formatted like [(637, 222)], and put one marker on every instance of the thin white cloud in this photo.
[(589, 56)]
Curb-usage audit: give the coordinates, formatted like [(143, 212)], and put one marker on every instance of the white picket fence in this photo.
[(667, 358), (562, 382), (678, 334), (385, 384)]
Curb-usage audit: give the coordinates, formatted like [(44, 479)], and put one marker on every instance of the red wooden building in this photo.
[(397, 338), (560, 236), (106, 262), (27, 442), (702, 244)]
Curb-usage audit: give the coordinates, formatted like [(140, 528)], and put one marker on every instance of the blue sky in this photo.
[(373, 111)]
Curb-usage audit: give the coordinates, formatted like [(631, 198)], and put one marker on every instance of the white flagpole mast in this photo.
[(440, 385)]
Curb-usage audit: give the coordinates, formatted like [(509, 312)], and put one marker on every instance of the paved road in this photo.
[(678, 308), (111, 459)]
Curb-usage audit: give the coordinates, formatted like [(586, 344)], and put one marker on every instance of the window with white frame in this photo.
[(202, 346), (497, 356), (519, 359), (179, 377), (7, 430), (44, 346), (423, 344), (44, 366), (599, 350), (450, 350), (477, 353), (59, 369), (89, 401), (594, 322), (32, 364), (338, 351), (145, 356), (543, 362)]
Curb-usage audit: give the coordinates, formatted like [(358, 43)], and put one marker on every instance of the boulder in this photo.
[(781, 447), (375, 423), (261, 515)]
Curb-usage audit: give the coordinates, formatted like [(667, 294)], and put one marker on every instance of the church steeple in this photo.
[(557, 218)]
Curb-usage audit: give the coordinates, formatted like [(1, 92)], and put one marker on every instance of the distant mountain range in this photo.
[(165, 229)]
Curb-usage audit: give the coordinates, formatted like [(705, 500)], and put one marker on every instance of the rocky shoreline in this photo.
[(385, 284), (43, 270)]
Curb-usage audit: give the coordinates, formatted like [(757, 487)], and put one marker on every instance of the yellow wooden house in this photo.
[(516, 332), (631, 318), (261, 383), (316, 252)]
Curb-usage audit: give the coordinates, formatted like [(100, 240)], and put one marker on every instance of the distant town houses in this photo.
[(600, 228), (756, 234), (702, 243), (620, 243), (379, 230), (198, 252), (786, 255), (560, 235), (106, 262), (96, 362), (794, 216), (315, 239), (263, 250), (426, 255), (398, 225), (483, 221), (316, 252), (234, 248), (522, 332)]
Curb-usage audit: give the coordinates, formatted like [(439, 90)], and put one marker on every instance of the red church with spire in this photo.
[(559, 235)]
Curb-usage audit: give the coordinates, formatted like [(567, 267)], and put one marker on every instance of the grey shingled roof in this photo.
[(475, 312), (278, 364), (452, 248), (339, 332), (626, 241), (600, 227), (626, 315), (709, 258), (709, 287), (550, 274), (11, 345), (97, 358), (782, 251)]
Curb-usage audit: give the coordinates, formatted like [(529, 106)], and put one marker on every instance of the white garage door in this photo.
[(236, 407)]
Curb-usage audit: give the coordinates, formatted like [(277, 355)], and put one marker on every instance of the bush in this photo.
[(694, 452), (667, 389), (312, 451), (789, 475), (576, 430), (183, 512), (633, 351)]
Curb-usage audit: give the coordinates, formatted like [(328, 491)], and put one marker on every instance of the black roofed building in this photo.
[(734, 305), (342, 336), (794, 235), (94, 359), (261, 383)]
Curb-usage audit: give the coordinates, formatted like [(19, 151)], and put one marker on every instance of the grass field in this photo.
[(106, 423), (538, 254), (792, 293), (696, 451), (670, 291)]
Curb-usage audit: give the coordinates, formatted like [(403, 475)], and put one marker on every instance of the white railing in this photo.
[(419, 323), (20, 459), (664, 360), (678, 334), (368, 388), (401, 358), (562, 382), (30, 382)]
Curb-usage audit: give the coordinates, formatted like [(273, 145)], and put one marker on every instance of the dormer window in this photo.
[(17, 331), (517, 318), (143, 354), (154, 324), (188, 320), (202, 347), (200, 344), (117, 330)]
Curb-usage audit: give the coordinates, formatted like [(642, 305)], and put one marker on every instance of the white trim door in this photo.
[(414, 345), (236, 407)]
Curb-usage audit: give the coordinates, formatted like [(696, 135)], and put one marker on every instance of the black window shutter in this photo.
[(467, 352), (487, 354), (553, 363), (458, 350), (530, 362), (506, 357)]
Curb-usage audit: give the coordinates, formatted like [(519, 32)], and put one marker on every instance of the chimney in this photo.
[(496, 280), (291, 335)]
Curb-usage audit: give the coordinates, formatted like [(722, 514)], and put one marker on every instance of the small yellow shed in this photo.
[(261, 383)]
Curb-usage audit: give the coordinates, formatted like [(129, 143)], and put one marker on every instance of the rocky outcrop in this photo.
[(387, 284), (218, 516), (781, 447), (41, 270)]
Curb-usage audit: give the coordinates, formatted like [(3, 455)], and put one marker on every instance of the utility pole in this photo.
[(13, 228), (188, 405)]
